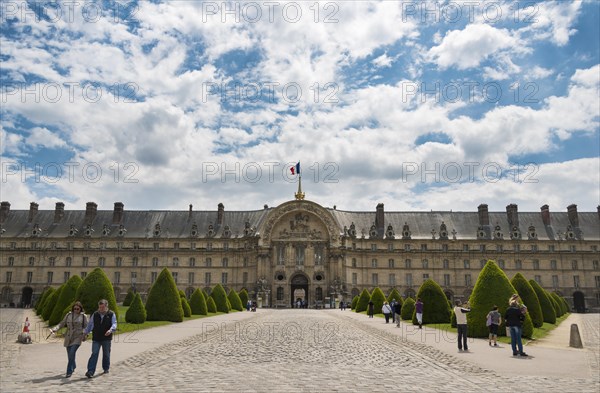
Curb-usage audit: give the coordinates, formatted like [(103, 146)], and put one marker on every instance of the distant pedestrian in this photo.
[(397, 311), (75, 321), (514, 318), (248, 305), (461, 324), (419, 312), (494, 319), (387, 311), (370, 309), (392, 305)]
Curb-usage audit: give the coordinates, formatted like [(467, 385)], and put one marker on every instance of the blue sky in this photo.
[(160, 104)]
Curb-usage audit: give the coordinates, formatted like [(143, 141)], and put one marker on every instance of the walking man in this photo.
[(419, 312), (461, 324), (102, 324)]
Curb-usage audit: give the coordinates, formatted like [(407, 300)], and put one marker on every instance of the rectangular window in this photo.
[(425, 264), (85, 261), (51, 261), (153, 276), (133, 277), (536, 264), (446, 264), (192, 245), (119, 245), (117, 279), (518, 264), (465, 247), (407, 263), (31, 261), (374, 279), (9, 277), (353, 262), (391, 263), (299, 254), (534, 248), (176, 246), (225, 262), (192, 262), (597, 281), (29, 277), (13, 245), (354, 246), (374, 262), (175, 276), (223, 278), (425, 277), (391, 247), (50, 276), (467, 280), (501, 264), (11, 261), (245, 277), (208, 262), (594, 248), (482, 263), (53, 246), (595, 265), (83, 274), (576, 281), (245, 262), (555, 281), (409, 280), (423, 247), (281, 254), (207, 278), (573, 248), (134, 261), (68, 261), (553, 264), (102, 245), (538, 279), (155, 262), (225, 246), (444, 247), (175, 261), (319, 254), (209, 246), (373, 247), (136, 245), (482, 247), (467, 264), (101, 261), (66, 276), (516, 247), (86, 246), (392, 280), (156, 246), (407, 247), (499, 248), (118, 261), (551, 248), (446, 280), (574, 265), (354, 278)]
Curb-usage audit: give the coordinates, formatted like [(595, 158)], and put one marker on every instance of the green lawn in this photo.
[(538, 333)]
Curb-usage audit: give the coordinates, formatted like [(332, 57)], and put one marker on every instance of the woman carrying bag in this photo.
[(75, 321)]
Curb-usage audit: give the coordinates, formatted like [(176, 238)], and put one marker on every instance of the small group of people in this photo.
[(251, 305), (102, 324), (343, 305)]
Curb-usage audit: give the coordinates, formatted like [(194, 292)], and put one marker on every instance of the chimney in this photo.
[(59, 211), (33, 209), (484, 217), (573, 218), (513, 215), (220, 214), (5, 209), (190, 213), (546, 215), (379, 221), (90, 212), (118, 213)]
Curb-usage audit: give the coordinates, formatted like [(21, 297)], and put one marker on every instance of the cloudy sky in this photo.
[(435, 106)]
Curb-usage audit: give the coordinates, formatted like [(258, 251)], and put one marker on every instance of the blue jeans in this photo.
[(71, 351), (515, 339), (105, 344)]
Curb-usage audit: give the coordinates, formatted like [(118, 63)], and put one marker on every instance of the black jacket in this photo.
[(514, 317)]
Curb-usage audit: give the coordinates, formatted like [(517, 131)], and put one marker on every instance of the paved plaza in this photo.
[(301, 351)]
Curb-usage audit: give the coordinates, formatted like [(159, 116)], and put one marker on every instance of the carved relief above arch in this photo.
[(300, 220)]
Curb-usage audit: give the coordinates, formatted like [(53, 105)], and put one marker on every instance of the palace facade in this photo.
[(298, 250)]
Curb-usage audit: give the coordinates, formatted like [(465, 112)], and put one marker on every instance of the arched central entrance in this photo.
[(26, 295), (579, 302), (299, 289)]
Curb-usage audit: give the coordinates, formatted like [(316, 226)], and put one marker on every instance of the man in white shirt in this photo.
[(461, 324)]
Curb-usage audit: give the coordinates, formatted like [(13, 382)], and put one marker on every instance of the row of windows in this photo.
[(480, 247), (535, 264), (299, 254), (467, 280), (133, 277), (135, 246), (134, 261)]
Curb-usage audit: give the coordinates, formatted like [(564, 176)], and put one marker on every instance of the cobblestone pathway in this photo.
[(292, 351)]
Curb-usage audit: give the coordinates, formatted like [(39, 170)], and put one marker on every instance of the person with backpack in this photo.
[(387, 311), (102, 324), (75, 321), (494, 319)]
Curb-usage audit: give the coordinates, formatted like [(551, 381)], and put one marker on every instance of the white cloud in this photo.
[(383, 61), (43, 137)]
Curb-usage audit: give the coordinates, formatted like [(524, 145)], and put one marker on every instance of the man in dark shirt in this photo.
[(514, 318), (102, 324)]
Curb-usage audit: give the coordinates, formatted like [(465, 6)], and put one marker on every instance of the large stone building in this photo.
[(299, 250)]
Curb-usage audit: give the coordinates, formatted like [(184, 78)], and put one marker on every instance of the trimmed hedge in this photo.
[(44, 300), (220, 297), (243, 297), (51, 302), (378, 298), (187, 311), (394, 295), (198, 303), (435, 304), (354, 301), (408, 308), (128, 298), (529, 298), (236, 302), (557, 308), (95, 287), (66, 299), (136, 312), (545, 304), (363, 301), (164, 301), (210, 305), (564, 304), (38, 303)]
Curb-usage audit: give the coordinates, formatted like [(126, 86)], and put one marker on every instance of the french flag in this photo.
[(295, 169)]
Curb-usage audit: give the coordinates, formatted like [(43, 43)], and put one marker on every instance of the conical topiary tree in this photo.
[(136, 312), (95, 287), (491, 289), (547, 307), (377, 297), (220, 297), (529, 298), (408, 309), (39, 300), (66, 298), (198, 303), (44, 300), (210, 305), (234, 299), (128, 298), (555, 304), (363, 301), (181, 293), (164, 302), (564, 303), (354, 301), (187, 311), (435, 304), (394, 295), (51, 302), (228, 303), (243, 297)]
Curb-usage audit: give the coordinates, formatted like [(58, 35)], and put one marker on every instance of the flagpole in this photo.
[(299, 195)]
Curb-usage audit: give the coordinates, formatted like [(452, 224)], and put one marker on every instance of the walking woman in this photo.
[(75, 321)]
